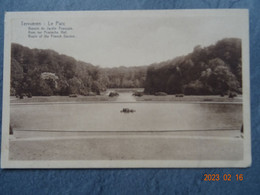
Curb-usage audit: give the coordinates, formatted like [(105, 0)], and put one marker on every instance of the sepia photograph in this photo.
[(125, 89)]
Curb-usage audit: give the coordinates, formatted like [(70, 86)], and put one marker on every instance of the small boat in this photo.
[(127, 110)]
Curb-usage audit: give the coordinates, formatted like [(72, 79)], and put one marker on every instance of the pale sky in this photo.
[(132, 38)]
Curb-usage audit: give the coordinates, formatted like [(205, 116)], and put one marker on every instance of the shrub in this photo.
[(21, 96), (29, 95), (160, 94), (113, 94), (137, 93), (11, 132), (73, 95), (232, 95), (12, 91)]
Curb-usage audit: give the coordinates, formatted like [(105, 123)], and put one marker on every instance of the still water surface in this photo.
[(153, 116)]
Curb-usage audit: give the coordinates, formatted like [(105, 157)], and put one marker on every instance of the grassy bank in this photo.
[(62, 99), (190, 98)]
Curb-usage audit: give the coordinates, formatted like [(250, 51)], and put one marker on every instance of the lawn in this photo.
[(190, 98), (62, 99)]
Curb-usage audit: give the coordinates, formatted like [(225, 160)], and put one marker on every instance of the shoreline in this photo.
[(137, 102), (143, 99)]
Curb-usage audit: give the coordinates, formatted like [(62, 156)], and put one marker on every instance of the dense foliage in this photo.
[(125, 77), (45, 72), (206, 71), (211, 70)]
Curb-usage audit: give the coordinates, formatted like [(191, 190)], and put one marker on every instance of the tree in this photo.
[(33, 70), (211, 70)]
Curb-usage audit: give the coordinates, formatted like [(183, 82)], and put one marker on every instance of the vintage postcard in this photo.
[(115, 89)]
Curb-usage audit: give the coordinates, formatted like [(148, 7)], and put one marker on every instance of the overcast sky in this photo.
[(132, 38)]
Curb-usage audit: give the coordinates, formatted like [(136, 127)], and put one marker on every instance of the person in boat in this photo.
[(127, 110)]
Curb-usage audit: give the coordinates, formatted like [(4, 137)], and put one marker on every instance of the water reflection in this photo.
[(107, 117)]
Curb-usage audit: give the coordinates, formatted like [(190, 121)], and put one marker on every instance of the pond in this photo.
[(106, 116)]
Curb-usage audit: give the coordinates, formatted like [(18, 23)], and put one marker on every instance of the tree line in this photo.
[(46, 72), (212, 70), (215, 69)]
